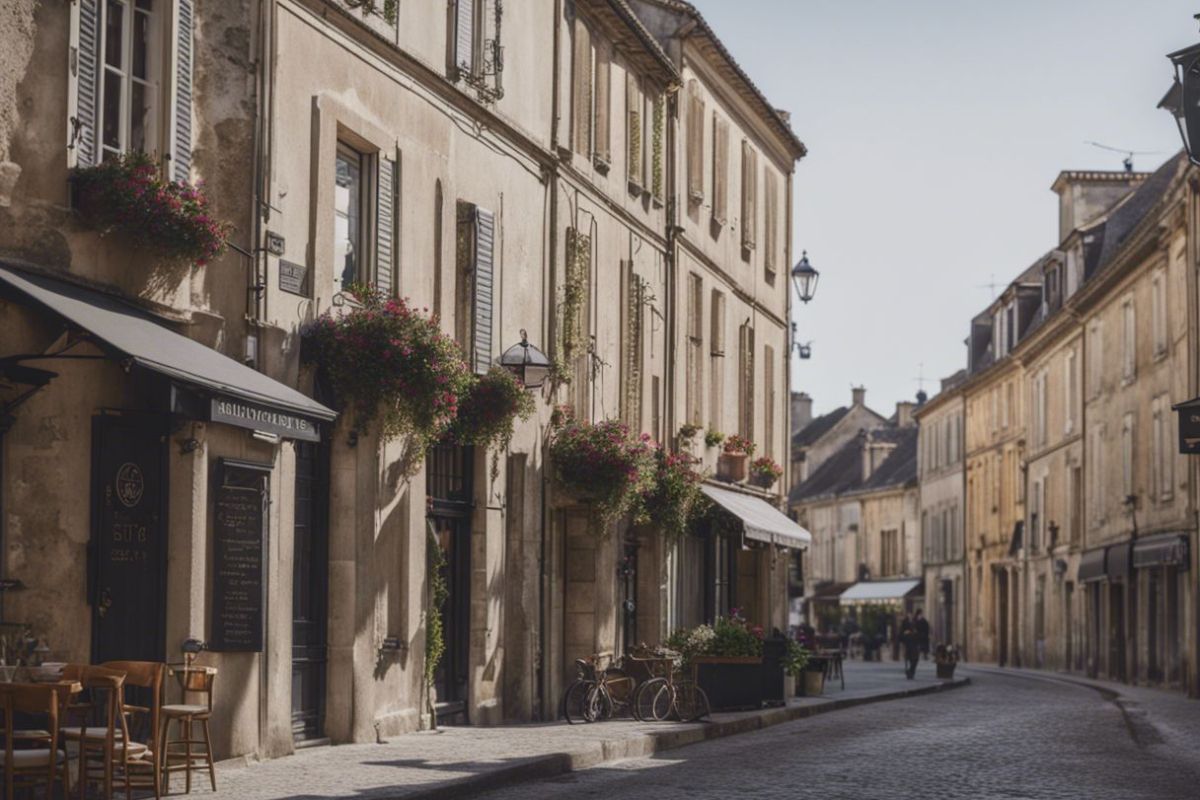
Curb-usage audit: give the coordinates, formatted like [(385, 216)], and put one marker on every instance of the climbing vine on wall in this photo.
[(386, 9), (570, 340), (656, 144), (435, 634), (635, 149)]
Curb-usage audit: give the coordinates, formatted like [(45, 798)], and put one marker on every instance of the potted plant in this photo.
[(672, 498), (712, 438), (764, 472), (731, 465), (602, 465), (727, 658), (945, 657)]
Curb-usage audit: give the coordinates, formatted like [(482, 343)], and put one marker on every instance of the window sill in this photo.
[(635, 188), (601, 164)]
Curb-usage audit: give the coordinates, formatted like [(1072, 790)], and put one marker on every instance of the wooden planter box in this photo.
[(731, 467), (731, 683), (945, 669)]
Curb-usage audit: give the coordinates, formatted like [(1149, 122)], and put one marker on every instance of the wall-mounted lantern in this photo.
[(527, 363), (804, 278), (1183, 101)]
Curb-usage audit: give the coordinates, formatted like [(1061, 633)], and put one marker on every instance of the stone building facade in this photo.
[(477, 158)]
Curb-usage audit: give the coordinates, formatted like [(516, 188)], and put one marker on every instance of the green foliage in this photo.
[(390, 363), (712, 438), (604, 465), (673, 498), (688, 431), (739, 444), (766, 470), (388, 10), (570, 334), (796, 658), (435, 634), (487, 412), (656, 144), (635, 148), (728, 637)]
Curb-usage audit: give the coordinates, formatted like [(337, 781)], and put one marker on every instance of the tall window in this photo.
[(635, 114), (1071, 395), (749, 196), (746, 381), (1096, 476), (1158, 311), (601, 127), (635, 299), (769, 401), (1128, 340), (720, 180), (581, 88), (1127, 455), (1075, 504), (695, 142), (1095, 352), (716, 372), (131, 58), (695, 348), (349, 220), (771, 223), (889, 556), (1163, 459)]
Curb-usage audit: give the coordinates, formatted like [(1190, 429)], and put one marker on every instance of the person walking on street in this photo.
[(910, 640), (923, 633)]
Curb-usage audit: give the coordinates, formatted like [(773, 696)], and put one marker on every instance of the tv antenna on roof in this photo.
[(920, 379), (991, 284), (1129, 154)]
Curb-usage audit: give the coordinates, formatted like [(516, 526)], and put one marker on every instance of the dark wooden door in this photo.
[(128, 546), (449, 474), (1002, 605), (310, 592)]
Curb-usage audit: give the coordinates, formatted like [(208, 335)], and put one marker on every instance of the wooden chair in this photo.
[(106, 749), (143, 721), (44, 758), (195, 682)]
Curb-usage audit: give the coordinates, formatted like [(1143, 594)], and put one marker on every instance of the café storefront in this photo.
[(154, 490)]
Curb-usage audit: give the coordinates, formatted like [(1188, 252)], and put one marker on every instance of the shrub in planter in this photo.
[(739, 445), (764, 472), (489, 408), (727, 657), (602, 464), (126, 194), (389, 363), (671, 501), (713, 438)]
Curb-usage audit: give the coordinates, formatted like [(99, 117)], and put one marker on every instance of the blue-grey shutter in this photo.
[(83, 134), (181, 156), (485, 240), (385, 226), (464, 36)]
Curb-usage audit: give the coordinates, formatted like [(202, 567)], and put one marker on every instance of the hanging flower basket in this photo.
[(674, 494), (602, 465), (489, 409), (390, 364), (764, 472), (126, 194)]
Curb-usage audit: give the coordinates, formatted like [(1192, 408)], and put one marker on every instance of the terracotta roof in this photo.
[(737, 75)]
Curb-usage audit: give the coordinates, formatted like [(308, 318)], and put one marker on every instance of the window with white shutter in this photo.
[(749, 196), (464, 43), (581, 92), (695, 142), (602, 128), (771, 222), (720, 200), (769, 401), (484, 285), (386, 204), (716, 359)]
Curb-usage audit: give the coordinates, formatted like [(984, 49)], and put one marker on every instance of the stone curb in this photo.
[(555, 764)]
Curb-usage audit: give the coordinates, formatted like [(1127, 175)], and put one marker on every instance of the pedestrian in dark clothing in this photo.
[(910, 640), (923, 633)]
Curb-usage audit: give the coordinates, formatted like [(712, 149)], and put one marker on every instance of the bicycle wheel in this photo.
[(691, 702), (577, 702), (643, 699), (620, 689)]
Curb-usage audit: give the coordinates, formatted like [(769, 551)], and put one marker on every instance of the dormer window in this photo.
[(1052, 288)]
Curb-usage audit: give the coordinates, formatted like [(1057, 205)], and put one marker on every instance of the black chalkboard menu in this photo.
[(239, 557)]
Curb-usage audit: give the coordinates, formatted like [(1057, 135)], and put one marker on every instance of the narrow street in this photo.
[(1008, 735)]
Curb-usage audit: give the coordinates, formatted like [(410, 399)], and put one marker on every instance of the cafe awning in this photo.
[(760, 521), (1091, 565), (1117, 561), (1164, 549), (880, 591), (241, 396)]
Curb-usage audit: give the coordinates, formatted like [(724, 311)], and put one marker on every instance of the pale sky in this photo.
[(934, 129)]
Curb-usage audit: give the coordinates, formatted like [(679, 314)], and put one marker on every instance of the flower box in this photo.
[(762, 481), (732, 683), (945, 669), (731, 467)]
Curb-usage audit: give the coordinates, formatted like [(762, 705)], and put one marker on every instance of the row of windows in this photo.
[(941, 529), (941, 442)]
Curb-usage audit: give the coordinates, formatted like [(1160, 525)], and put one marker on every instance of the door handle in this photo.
[(105, 602)]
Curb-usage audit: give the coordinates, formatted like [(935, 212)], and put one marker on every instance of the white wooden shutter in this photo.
[(81, 142), (771, 207), (749, 195), (385, 225), (485, 237), (181, 136), (602, 138), (582, 89), (695, 142), (720, 201), (464, 36)]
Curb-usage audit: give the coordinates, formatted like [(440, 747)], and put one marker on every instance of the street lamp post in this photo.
[(1183, 101), (804, 279)]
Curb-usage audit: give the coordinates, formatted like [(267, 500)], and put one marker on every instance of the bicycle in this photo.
[(597, 695), (666, 697)]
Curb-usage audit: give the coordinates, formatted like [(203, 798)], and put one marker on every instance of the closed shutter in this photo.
[(464, 36), (385, 226), (770, 235), (720, 203), (695, 142), (749, 195), (82, 136), (181, 139), (485, 239), (582, 91), (602, 135), (633, 105), (769, 404)]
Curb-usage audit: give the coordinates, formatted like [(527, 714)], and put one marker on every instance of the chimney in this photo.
[(858, 395), (874, 453), (1083, 196), (904, 414), (801, 411)]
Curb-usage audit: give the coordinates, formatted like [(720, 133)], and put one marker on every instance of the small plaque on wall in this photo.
[(293, 277)]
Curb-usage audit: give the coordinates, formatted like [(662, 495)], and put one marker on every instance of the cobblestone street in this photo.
[(1009, 735)]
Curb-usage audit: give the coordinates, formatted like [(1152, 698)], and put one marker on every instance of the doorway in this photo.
[(310, 592), (1116, 631), (449, 474), (627, 588), (1002, 612), (128, 547)]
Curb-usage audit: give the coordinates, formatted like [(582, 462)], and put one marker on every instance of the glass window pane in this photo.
[(114, 29), (347, 217), (111, 124), (141, 123), (141, 45), (145, 5)]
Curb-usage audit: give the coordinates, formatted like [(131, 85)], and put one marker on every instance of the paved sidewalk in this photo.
[(453, 762)]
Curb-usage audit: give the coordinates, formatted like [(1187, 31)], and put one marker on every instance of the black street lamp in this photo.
[(1183, 100), (528, 364), (804, 278)]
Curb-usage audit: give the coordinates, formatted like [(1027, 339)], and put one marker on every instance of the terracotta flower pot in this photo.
[(814, 683), (731, 467)]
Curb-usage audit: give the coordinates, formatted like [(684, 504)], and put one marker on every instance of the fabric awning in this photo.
[(880, 591), (1091, 565), (1117, 561), (1165, 549), (760, 520), (127, 333)]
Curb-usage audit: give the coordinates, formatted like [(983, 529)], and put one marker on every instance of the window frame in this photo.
[(154, 86), (365, 212)]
